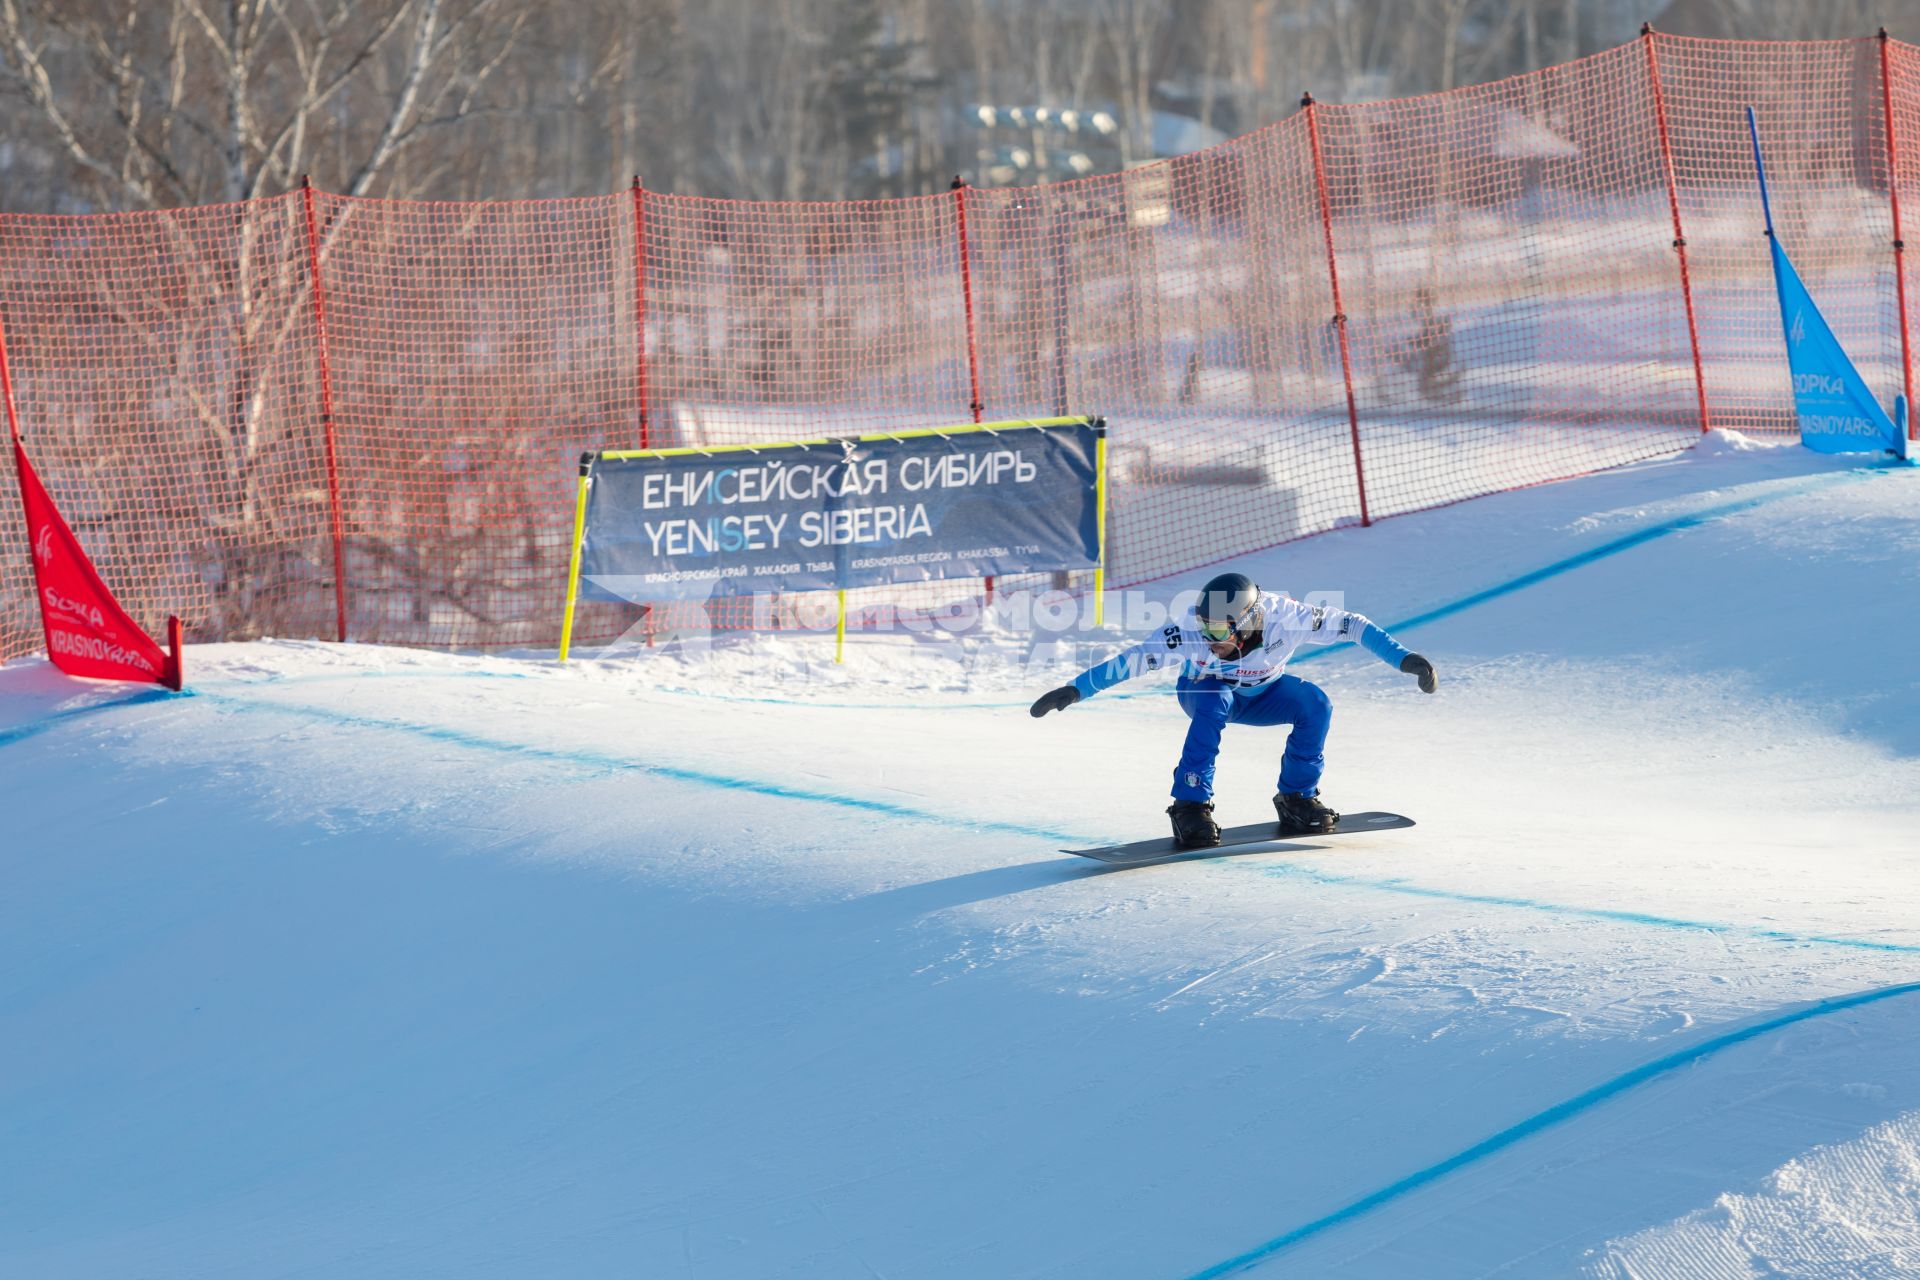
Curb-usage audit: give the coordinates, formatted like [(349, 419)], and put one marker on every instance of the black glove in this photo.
[(1414, 665), (1056, 700)]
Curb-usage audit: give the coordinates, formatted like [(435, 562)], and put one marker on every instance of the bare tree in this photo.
[(794, 94), (1134, 33), (1787, 20), (199, 101)]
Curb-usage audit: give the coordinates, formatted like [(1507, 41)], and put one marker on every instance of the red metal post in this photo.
[(640, 305), (959, 189), (1673, 204), (1899, 242), (6, 386), (326, 414), (1308, 105), (13, 426), (175, 674), (640, 333)]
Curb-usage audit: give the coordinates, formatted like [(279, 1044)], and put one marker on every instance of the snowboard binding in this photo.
[(1193, 824), (1302, 815)]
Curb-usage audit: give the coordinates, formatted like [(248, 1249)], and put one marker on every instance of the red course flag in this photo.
[(88, 633)]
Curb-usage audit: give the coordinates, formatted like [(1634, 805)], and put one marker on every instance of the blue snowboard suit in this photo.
[(1249, 689)]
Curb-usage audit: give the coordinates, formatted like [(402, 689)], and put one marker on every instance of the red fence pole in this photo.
[(640, 332), (640, 305), (13, 427), (1673, 203), (1899, 243), (959, 189), (6, 387), (1307, 104), (326, 414)]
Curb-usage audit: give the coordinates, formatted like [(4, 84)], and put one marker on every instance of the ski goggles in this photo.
[(1218, 629)]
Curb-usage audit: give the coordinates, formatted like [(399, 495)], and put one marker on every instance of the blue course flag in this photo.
[(1837, 413)]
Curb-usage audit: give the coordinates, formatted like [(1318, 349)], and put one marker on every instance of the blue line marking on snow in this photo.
[(1613, 915), (53, 720), (603, 763), (812, 703), (283, 681), (275, 679), (1545, 1120), (1628, 542)]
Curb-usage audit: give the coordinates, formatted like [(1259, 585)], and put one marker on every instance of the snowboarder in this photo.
[(1235, 643)]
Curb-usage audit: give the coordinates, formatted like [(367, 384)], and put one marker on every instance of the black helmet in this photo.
[(1229, 606)]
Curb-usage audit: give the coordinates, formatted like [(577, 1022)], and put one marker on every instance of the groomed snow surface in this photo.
[(363, 962)]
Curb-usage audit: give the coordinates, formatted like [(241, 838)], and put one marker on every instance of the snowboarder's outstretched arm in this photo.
[(1166, 648), (1303, 623), (1323, 624)]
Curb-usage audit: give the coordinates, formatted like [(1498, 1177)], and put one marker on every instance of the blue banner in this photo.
[(1837, 412), (834, 514)]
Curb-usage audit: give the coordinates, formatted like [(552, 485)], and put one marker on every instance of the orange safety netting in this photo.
[(211, 393)]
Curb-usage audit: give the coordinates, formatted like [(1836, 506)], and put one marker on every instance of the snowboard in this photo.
[(1236, 840)]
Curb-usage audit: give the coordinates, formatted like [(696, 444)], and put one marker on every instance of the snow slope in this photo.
[(371, 962)]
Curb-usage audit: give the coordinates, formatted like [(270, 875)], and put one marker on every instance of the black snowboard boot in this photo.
[(1303, 815), (1193, 824)]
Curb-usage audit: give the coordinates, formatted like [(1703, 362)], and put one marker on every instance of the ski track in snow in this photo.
[(595, 764), (486, 967)]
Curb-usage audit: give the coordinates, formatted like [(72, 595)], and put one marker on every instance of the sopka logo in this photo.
[(1797, 334), (87, 613), (43, 546)]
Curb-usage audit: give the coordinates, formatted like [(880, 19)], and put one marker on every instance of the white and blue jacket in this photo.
[(1286, 625)]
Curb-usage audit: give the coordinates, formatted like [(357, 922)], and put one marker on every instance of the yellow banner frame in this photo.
[(840, 629)]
